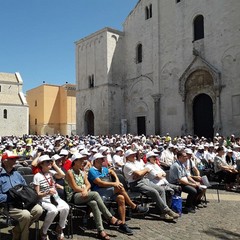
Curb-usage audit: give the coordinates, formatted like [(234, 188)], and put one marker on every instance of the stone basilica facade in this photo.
[(174, 68)]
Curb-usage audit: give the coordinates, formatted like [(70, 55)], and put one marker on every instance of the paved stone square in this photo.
[(217, 221)]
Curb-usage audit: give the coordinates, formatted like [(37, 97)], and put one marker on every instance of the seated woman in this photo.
[(51, 202), (77, 188)]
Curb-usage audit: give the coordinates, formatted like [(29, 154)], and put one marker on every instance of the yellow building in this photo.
[(52, 109)]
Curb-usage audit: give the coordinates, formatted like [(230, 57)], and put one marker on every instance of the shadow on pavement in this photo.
[(222, 234)]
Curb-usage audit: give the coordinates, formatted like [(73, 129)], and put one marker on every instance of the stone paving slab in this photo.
[(217, 221)]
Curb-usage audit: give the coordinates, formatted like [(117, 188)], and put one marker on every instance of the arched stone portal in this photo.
[(203, 116), (200, 104), (89, 123)]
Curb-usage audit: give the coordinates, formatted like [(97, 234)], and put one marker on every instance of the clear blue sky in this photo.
[(37, 36)]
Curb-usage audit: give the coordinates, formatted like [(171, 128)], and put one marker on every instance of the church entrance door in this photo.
[(141, 125), (203, 116)]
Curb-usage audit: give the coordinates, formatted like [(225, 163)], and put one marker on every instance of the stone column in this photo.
[(156, 98)]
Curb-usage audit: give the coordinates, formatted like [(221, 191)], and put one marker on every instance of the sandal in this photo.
[(103, 237), (116, 224), (60, 235)]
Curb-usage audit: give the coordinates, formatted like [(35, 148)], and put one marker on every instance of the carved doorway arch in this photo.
[(201, 99)]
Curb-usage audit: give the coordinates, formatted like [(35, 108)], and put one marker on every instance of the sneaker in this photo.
[(191, 210), (200, 205), (165, 216), (172, 214), (140, 209), (123, 228)]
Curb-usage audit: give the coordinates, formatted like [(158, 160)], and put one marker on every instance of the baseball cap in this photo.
[(56, 157), (63, 152), (119, 149), (43, 158), (77, 156), (129, 152), (151, 154), (9, 155), (97, 156)]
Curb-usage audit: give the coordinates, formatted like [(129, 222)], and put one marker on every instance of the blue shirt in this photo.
[(95, 173), (8, 181)]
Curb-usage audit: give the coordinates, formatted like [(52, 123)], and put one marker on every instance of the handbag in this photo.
[(23, 196), (177, 204)]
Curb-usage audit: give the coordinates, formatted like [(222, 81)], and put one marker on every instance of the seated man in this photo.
[(178, 175), (135, 174), (98, 176), (8, 179), (158, 177)]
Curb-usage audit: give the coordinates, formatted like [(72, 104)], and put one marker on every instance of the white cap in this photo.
[(119, 149), (97, 156), (103, 149), (73, 150), (129, 152), (43, 158), (188, 151), (56, 157), (63, 152), (200, 147), (151, 154), (170, 145), (58, 139), (77, 156), (85, 152)]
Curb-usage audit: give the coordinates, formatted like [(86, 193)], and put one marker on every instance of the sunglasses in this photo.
[(48, 161)]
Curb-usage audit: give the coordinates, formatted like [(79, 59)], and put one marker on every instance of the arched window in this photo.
[(5, 113), (139, 53), (91, 81), (150, 10), (198, 27), (146, 13)]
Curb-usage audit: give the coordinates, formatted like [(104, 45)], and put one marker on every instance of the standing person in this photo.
[(178, 175), (78, 191), (8, 179), (51, 202)]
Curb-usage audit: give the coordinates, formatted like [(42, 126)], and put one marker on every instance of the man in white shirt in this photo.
[(135, 175), (118, 160)]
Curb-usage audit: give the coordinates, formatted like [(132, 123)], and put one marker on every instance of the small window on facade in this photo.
[(5, 113), (139, 53), (35, 121), (0, 88), (35, 103), (198, 28), (146, 13), (91, 81), (178, 1), (150, 11)]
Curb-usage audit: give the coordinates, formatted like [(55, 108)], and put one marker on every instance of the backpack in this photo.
[(23, 196)]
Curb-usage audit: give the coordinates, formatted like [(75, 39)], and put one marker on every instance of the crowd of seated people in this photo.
[(84, 170)]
